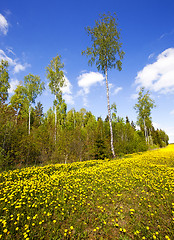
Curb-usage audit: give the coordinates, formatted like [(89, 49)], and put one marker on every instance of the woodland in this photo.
[(28, 136)]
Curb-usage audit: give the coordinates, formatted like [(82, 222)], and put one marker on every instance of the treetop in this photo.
[(106, 48)]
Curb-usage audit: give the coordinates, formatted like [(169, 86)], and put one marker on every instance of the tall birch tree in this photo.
[(143, 108), (105, 52), (4, 83), (56, 82), (34, 87), (20, 102)]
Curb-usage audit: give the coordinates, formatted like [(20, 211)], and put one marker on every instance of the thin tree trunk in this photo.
[(145, 131), (29, 122), (55, 122), (109, 112)]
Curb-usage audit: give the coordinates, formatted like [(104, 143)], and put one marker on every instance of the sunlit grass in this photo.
[(129, 198)]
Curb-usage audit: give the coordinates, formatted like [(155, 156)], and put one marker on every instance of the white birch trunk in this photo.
[(55, 122), (109, 112), (29, 121), (145, 131), (66, 158)]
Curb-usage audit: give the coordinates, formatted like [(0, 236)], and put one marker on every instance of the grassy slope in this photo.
[(131, 198)]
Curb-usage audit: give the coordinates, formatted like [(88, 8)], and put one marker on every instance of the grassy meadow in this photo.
[(128, 198)]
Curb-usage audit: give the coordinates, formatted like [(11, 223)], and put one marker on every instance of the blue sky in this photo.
[(33, 32)]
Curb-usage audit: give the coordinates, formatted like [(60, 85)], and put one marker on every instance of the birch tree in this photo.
[(34, 87), (4, 83), (20, 102), (56, 82), (105, 52), (143, 108)]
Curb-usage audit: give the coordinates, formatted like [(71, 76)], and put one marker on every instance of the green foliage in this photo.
[(19, 101), (160, 138), (4, 83), (56, 77), (38, 115), (33, 87), (7, 127), (79, 136), (105, 52), (143, 108), (106, 48), (114, 114)]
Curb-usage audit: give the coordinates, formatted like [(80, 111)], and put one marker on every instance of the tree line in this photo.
[(28, 136)]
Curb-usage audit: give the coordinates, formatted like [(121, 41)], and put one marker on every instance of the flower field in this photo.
[(129, 198)]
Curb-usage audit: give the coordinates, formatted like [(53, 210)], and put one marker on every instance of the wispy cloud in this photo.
[(166, 34), (151, 55), (172, 112), (118, 89), (134, 96), (14, 63), (158, 76), (10, 50), (5, 57), (7, 12), (3, 25)]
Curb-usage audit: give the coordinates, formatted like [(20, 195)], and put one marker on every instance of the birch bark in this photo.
[(109, 112)]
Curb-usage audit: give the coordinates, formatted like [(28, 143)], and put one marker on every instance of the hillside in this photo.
[(129, 198)]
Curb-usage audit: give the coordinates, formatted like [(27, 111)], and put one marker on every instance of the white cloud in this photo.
[(3, 25), (118, 89), (67, 88), (151, 56), (10, 50), (156, 125), (68, 99), (167, 34), (17, 66), (67, 92), (7, 12), (5, 57), (134, 96), (168, 130), (158, 76), (13, 85), (172, 112), (87, 80), (84, 97), (170, 133), (110, 85)]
